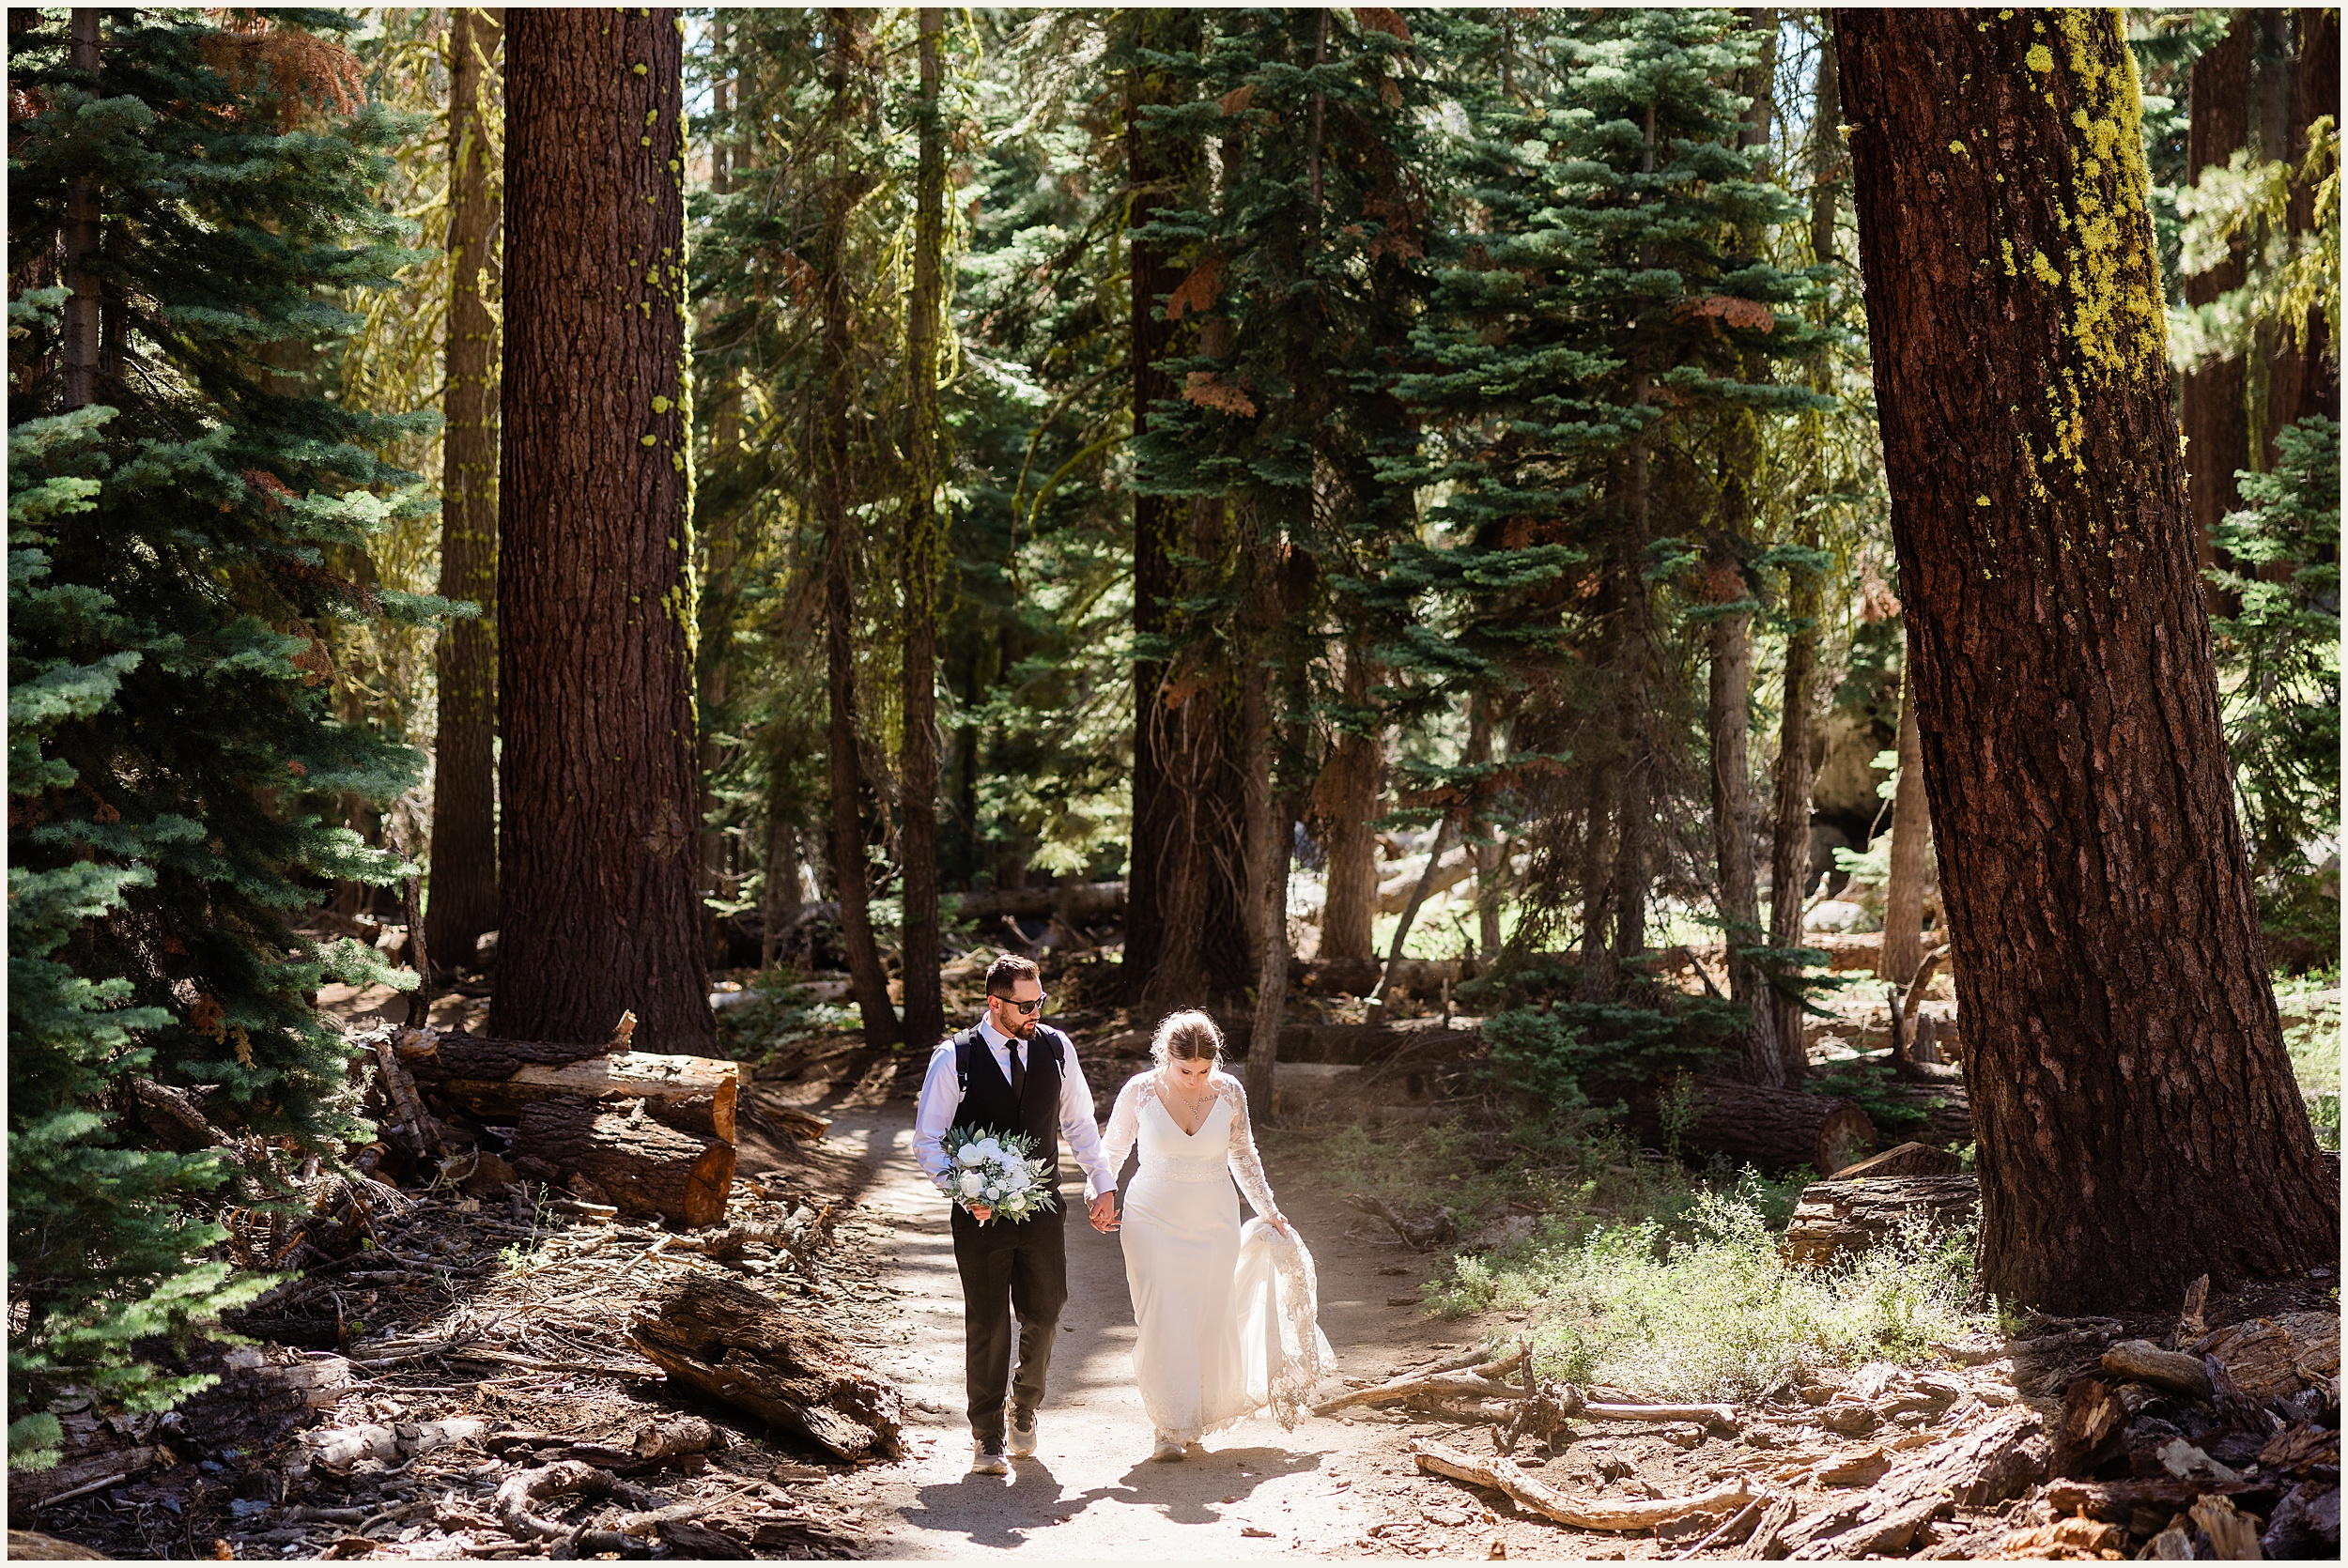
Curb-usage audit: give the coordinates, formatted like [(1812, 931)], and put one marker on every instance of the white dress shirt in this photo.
[(941, 1097)]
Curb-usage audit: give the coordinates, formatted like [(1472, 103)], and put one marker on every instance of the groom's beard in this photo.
[(1025, 1027)]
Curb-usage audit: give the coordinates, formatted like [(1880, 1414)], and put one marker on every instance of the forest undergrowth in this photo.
[(1627, 1269)]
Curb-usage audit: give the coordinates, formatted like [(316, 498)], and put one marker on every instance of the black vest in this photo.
[(989, 1106)]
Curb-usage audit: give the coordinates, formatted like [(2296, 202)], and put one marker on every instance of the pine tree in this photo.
[(1597, 336), (205, 192), (1298, 272)]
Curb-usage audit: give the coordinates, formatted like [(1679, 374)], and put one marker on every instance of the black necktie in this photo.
[(1018, 1071)]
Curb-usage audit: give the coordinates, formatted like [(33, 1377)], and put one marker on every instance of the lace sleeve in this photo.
[(1124, 1125), (1246, 1164)]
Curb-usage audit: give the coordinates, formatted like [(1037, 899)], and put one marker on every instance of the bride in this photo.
[(1228, 1315)]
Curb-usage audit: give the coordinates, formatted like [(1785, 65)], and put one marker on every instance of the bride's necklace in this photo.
[(1192, 1106)]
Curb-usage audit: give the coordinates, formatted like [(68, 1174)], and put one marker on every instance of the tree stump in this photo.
[(1778, 1129), (647, 1169), (747, 1349), (1837, 1218)]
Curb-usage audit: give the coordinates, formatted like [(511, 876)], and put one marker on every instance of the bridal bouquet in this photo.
[(997, 1171)]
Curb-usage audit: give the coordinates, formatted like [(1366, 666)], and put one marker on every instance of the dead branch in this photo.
[(1503, 1475)]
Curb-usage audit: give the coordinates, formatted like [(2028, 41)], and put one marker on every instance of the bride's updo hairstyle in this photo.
[(1186, 1037)]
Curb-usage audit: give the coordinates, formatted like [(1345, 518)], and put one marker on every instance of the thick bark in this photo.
[(1270, 828), (84, 233), (2217, 420), (644, 1168), (596, 898), (1159, 166), (747, 1351), (2138, 1121), (464, 902), (843, 189), (1911, 845), (916, 833)]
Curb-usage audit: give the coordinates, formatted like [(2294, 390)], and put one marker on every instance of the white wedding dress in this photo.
[(1229, 1317)]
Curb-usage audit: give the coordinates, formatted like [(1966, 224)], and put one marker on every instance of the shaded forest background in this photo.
[(1173, 491)]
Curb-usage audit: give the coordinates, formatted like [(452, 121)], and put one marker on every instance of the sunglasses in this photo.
[(1028, 1009)]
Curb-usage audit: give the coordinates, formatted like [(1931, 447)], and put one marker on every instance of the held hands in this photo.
[(1103, 1212)]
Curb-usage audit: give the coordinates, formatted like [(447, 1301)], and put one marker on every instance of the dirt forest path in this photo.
[(1092, 1492)]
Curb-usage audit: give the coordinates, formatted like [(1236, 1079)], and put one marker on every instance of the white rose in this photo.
[(988, 1150), (1014, 1181), (969, 1154), (972, 1184)]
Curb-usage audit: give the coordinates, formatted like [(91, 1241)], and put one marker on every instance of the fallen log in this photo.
[(1835, 1219), (1606, 1513), (2278, 1356), (746, 1350), (1776, 1129), (1075, 903), (642, 1168), (691, 1094), (461, 1056), (79, 1477)]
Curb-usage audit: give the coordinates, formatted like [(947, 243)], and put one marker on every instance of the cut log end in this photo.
[(644, 1169)]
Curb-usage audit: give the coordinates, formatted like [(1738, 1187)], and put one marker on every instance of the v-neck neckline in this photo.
[(1211, 1099)]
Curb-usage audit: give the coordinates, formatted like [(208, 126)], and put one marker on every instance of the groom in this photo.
[(1010, 1074)]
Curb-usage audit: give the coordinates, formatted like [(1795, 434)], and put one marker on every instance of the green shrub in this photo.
[(1705, 1308)]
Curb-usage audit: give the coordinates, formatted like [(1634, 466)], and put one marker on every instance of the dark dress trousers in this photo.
[(1011, 1267)]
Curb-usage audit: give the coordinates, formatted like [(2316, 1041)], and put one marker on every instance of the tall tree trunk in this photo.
[(1272, 835), (721, 549), (2138, 1120), (1912, 842), (843, 189), (916, 834), (1347, 805), (2217, 420), (1789, 838), (1729, 691), (597, 911), (464, 902), (1160, 167), (83, 233)]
